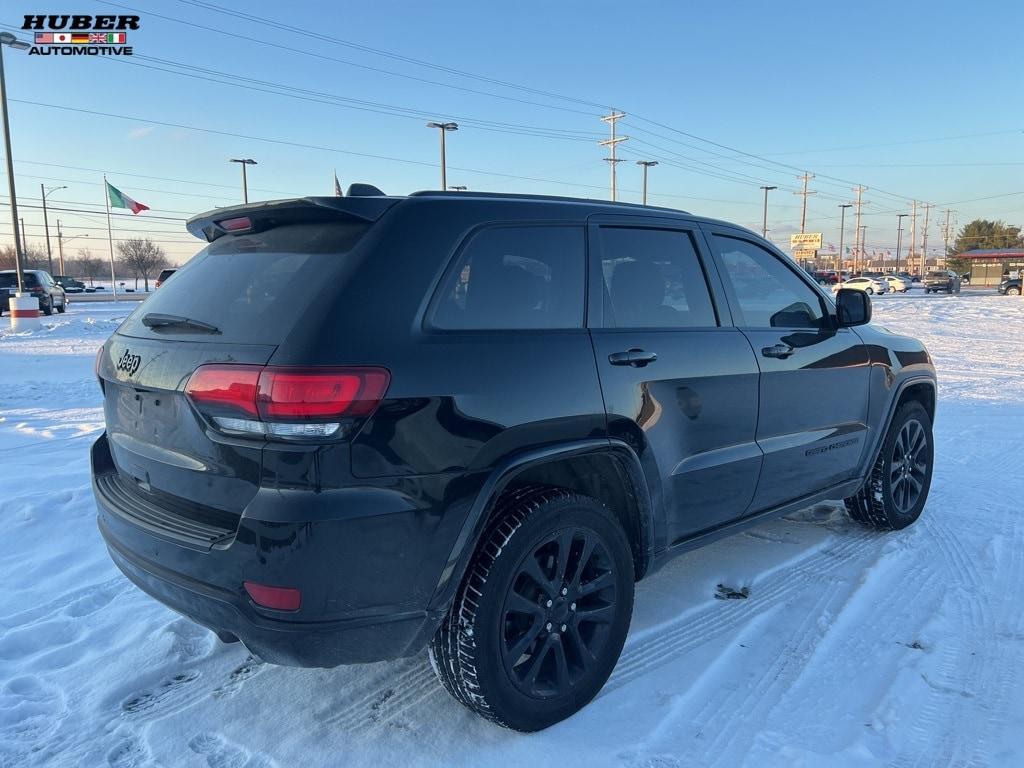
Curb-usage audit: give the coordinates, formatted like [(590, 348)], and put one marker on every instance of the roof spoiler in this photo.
[(258, 217)]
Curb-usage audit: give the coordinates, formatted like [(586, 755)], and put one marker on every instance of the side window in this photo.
[(516, 278), (653, 279), (769, 294)]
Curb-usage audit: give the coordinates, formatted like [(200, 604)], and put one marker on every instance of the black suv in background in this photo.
[(37, 283), (942, 280), (69, 284), (351, 428)]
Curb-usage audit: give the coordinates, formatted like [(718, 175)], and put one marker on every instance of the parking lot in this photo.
[(853, 648)]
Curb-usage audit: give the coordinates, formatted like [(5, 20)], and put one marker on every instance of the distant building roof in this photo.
[(992, 253)]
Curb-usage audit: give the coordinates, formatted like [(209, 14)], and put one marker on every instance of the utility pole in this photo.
[(444, 128), (43, 192), (859, 189), (764, 220), (924, 237), (899, 239), (803, 211), (6, 38), (60, 247), (646, 164), (945, 238), (913, 234), (863, 245), (611, 143), (842, 231)]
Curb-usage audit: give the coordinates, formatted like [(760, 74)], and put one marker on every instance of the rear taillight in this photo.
[(292, 403)]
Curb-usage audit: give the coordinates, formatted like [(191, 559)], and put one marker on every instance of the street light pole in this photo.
[(899, 239), (43, 192), (443, 128), (6, 38), (842, 231), (646, 164), (764, 221), (245, 181)]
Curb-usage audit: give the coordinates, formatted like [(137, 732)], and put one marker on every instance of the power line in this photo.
[(284, 142)]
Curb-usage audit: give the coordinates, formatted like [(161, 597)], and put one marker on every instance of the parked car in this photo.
[(942, 280), (69, 284), (908, 278), (164, 274), (896, 284), (357, 426), (36, 282), (1010, 286), (867, 284)]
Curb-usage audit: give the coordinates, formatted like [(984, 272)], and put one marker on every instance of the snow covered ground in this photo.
[(853, 649)]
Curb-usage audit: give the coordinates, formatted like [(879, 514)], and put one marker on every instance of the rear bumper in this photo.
[(357, 605)]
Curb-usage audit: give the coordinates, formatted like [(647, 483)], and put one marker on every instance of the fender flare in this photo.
[(479, 513), (872, 455)]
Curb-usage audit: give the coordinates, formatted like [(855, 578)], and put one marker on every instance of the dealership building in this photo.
[(988, 265)]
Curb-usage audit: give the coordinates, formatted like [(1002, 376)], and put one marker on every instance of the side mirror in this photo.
[(853, 307)]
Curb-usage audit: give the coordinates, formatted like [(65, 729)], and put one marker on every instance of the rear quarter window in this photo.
[(254, 288), (515, 277)]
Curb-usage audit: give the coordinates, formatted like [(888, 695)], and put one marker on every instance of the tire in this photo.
[(869, 291), (501, 610), (47, 308), (887, 505), (63, 307), (1013, 291)]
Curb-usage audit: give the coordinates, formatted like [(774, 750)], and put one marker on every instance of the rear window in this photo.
[(938, 274), (10, 279), (252, 287)]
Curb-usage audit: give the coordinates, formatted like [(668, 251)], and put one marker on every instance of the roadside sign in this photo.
[(808, 240)]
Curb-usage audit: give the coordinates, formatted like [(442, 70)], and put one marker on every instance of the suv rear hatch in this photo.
[(172, 470)]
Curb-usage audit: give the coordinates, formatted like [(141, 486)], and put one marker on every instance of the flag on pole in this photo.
[(337, 186), (119, 199)]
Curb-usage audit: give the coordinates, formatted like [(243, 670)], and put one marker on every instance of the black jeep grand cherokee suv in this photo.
[(354, 427)]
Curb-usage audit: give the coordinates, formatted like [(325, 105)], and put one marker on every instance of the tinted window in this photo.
[(515, 277), (768, 293), (252, 287), (654, 279), (8, 279)]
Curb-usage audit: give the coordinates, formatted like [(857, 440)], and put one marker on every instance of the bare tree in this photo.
[(35, 257), (89, 266), (143, 257)]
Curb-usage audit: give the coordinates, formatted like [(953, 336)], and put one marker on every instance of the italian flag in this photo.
[(119, 199)]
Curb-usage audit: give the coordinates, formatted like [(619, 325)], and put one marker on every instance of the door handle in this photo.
[(637, 358), (780, 351)]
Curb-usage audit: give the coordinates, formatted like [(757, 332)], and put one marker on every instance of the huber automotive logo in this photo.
[(73, 35)]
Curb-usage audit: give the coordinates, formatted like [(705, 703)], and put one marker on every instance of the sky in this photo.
[(914, 100)]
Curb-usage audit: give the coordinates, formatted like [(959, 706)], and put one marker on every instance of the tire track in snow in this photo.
[(776, 667), (382, 703), (693, 628), (961, 674)]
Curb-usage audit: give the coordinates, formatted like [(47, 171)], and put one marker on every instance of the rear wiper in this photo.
[(157, 320)]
